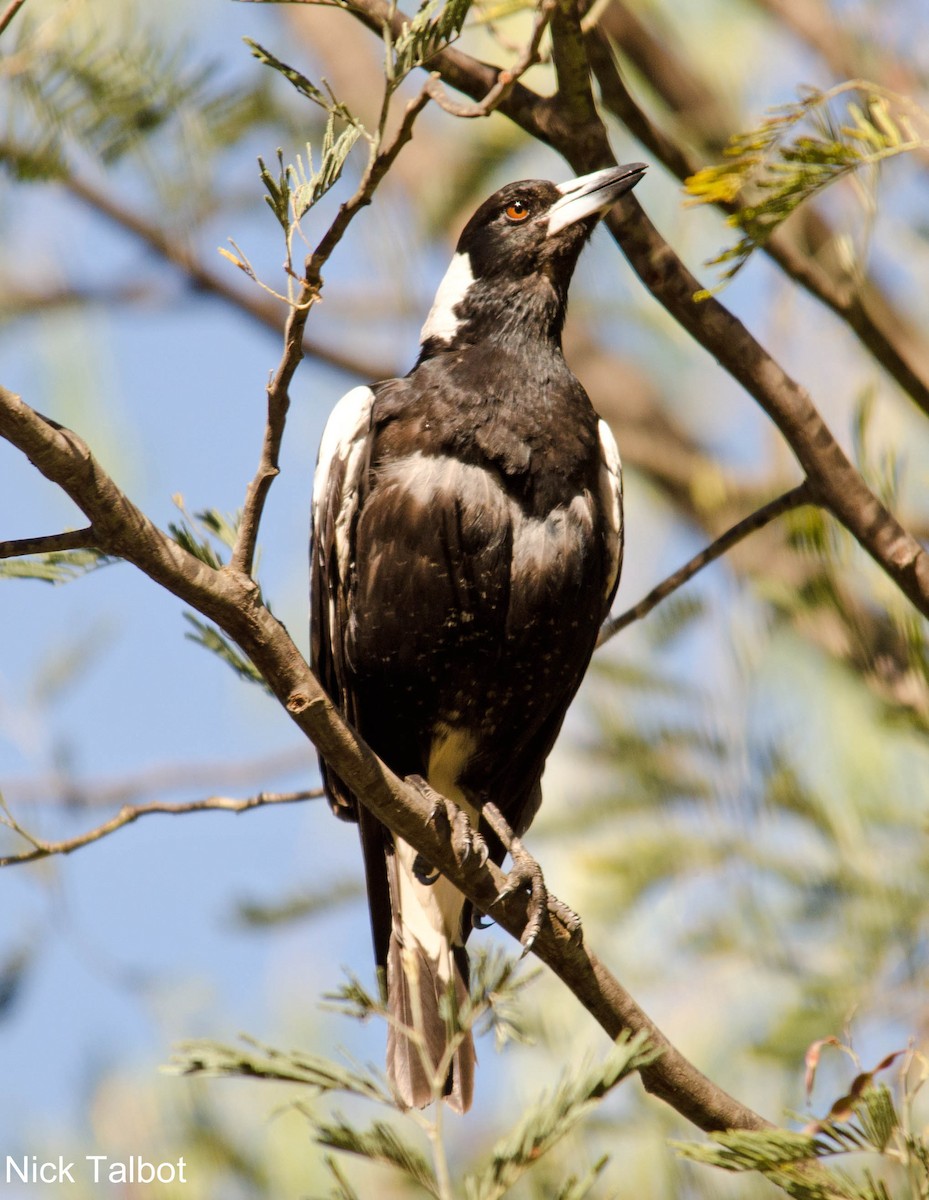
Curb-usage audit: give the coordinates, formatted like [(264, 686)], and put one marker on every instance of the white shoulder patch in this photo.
[(442, 322), (611, 497), (343, 444)]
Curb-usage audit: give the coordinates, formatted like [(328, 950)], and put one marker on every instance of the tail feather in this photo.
[(427, 965), (415, 990)]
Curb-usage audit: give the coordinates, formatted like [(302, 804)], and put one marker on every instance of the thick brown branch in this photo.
[(129, 813), (70, 539), (228, 599), (769, 512), (833, 480)]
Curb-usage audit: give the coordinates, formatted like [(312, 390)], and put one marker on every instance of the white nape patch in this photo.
[(611, 497), (442, 322), (580, 198), (343, 443)]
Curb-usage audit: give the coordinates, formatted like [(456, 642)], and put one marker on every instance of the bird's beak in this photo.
[(590, 194)]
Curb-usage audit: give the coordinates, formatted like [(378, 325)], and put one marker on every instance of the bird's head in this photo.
[(515, 258)]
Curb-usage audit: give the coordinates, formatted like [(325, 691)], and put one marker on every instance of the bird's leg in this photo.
[(526, 873), (452, 822)]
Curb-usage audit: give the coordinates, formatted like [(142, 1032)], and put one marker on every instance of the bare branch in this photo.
[(136, 786), (70, 539), (279, 388), (232, 601), (795, 498), (130, 813), (9, 13), (506, 79)]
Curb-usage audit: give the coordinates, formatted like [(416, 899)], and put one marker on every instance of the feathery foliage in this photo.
[(866, 1120), (798, 151), (54, 566), (542, 1126)]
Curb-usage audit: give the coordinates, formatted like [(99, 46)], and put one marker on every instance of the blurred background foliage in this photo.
[(738, 806)]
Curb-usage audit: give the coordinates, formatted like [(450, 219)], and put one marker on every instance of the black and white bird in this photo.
[(467, 542)]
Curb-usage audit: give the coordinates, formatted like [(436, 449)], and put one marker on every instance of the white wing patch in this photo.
[(442, 322), (343, 446), (611, 497)]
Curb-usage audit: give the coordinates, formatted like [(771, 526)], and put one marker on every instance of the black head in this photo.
[(515, 258)]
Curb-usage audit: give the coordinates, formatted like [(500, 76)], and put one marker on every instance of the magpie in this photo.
[(466, 546)]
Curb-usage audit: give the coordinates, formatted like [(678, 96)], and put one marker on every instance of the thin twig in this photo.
[(130, 813), (506, 80), (278, 390), (137, 786), (69, 539), (11, 10), (266, 311), (769, 512)]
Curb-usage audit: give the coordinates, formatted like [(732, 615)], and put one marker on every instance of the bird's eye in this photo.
[(517, 211)]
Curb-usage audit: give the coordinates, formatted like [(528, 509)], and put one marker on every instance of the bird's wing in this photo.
[(337, 489), (338, 492), (611, 499)]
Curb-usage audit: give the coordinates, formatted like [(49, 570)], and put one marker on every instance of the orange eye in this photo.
[(517, 211)]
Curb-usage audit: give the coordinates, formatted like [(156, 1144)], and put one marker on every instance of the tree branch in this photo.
[(9, 13), (795, 498), (130, 813), (506, 79), (253, 302), (232, 601), (278, 390), (855, 306), (135, 786), (70, 539)]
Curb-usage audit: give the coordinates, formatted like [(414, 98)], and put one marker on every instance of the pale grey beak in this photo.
[(593, 193)]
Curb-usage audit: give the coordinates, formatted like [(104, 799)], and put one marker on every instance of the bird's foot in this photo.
[(452, 822), (526, 875)]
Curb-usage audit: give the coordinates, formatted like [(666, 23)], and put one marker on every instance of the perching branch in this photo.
[(232, 601), (130, 813), (769, 512)]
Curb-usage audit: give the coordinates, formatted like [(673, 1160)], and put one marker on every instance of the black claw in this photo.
[(423, 872)]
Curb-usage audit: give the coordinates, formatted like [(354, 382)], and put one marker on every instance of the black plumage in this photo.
[(467, 540)]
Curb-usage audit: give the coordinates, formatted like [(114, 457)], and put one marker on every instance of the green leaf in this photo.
[(798, 151), (380, 1143), (544, 1124), (424, 37), (256, 1061), (325, 99), (55, 566), (215, 640)]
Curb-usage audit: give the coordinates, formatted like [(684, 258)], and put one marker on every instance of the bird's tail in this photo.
[(427, 986)]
